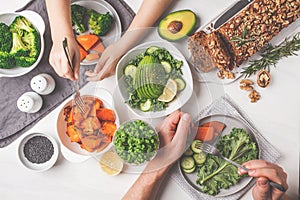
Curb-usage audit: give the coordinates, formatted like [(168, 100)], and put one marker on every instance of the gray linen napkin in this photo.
[(226, 106), (14, 123)]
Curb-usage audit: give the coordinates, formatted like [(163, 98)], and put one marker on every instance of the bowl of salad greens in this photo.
[(154, 79), (136, 142)]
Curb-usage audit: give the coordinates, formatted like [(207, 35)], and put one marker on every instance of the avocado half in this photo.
[(177, 25)]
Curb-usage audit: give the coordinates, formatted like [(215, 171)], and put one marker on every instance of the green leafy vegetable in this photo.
[(136, 142), (272, 54), (5, 38), (150, 77), (78, 13), (100, 24), (216, 173), (20, 44)]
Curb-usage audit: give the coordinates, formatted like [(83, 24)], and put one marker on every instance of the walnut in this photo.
[(246, 84), (254, 96), (263, 78)]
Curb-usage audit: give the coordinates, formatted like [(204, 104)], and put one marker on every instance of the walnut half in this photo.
[(263, 78)]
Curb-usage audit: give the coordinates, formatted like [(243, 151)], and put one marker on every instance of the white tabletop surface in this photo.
[(276, 115)]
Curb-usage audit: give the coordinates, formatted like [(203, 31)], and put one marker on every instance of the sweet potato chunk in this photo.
[(105, 114), (108, 128)]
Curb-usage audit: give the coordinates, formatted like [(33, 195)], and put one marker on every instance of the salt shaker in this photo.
[(42, 84), (30, 102)]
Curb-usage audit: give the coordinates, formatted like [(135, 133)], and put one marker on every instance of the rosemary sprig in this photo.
[(272, 54), (241, 40)]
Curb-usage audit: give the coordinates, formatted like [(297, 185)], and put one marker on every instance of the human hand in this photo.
[(59, 61), (106, 65), (265, 171), (173, 132)]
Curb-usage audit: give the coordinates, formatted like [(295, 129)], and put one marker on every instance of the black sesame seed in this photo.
[(38, 149)]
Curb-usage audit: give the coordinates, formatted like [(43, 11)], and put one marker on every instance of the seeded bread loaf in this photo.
[(246, 33)]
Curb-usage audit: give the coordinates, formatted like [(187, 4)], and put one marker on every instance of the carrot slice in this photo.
[(218, 126), (87, 41), (82, 52), (205, 133)]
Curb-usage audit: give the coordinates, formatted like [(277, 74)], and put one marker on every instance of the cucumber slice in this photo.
[(187, 163), (151, 49), (189, 171), (199, 158), (180, 83), (146, 106), (167, 66), (196, 146), (130, 70), (188, 152)]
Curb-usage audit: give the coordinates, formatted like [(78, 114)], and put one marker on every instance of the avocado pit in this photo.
[(175, 26)]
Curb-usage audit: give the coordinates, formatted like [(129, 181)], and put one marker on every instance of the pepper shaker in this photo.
[(30, 102), (42, 84)]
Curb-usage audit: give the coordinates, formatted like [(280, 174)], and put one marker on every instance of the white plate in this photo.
[(102, 7), (72, 150), (33, 166), (39, 24), (231, 123), (180, 99)]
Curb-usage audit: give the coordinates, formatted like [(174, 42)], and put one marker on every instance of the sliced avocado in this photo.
[(177, 25)]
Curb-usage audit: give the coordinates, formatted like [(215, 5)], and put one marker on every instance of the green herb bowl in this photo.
[(136, 142)]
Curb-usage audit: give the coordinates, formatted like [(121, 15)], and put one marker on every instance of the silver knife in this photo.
[(226, 15), (231, 12)]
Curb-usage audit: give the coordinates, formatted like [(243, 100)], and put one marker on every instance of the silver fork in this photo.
[(77, 98), (208, 148)]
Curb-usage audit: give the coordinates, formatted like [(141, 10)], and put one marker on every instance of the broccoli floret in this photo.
[(21, 24), (33, 43), (100, 24), (24, 61), (18, 47), (5, 38), (7, 61), (78, 12)]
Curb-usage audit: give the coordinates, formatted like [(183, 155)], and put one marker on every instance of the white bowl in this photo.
[(39, 24), (35, 166), (72, 150), (180, 99)]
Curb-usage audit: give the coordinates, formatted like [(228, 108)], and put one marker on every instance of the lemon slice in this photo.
[(169, 91), (110, 163)]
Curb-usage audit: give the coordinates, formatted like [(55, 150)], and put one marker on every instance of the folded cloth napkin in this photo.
[(268, 152), (13, 122)]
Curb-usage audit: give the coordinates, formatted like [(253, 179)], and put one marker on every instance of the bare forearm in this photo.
[(147, 15), (60, 18), (147, 185)]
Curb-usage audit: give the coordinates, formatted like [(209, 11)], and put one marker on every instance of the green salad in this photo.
[(136, 142), (153, 79), (213, 172)]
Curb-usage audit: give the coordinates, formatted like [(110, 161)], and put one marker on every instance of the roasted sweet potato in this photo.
[(105, 114), (73, 134), (87, 41), (108, 128), (83, 53)]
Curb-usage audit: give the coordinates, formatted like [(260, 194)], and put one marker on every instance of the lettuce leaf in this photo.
[(216, 173)]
